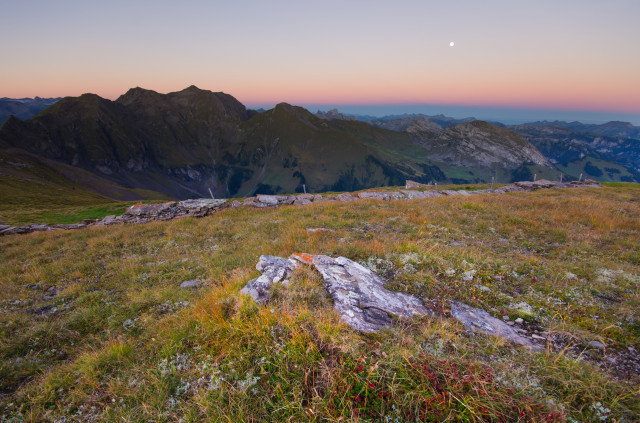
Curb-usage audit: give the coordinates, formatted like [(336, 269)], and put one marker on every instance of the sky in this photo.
[(549, 57)]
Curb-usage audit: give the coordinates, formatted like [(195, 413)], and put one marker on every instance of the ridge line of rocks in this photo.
[(143, 213)]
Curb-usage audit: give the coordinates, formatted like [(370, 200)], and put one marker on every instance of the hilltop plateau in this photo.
[(148, 322)]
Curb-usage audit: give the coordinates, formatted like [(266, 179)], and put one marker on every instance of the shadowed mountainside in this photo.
[(195, 142)]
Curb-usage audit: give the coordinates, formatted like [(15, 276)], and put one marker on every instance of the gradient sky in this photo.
[(542, 54)]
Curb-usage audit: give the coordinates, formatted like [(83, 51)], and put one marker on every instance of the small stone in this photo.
[(505, 318), (597, 345), (194, 283), (313, 230), (519, 320), (511, 323), (538, 337)]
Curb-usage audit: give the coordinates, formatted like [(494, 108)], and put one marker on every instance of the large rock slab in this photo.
[(200, 207), (377, 195), (363, 302), (153, 211), (479, 320), (359, 294)]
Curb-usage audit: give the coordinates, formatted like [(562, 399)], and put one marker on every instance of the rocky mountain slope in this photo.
[(612, 129), (562, 145), (472, 144), (194, 143)]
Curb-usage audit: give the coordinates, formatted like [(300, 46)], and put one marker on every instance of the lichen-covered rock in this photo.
[(540, 184), (274, 269), (414, 194), (479, 320), (359, 294), (200, 207), (508, 188), (150, 210), (301, 201), (345, 196), (374, 194), (194, 283), (271, 200)]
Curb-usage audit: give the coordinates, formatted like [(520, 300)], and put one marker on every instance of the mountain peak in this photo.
[(134, 94)]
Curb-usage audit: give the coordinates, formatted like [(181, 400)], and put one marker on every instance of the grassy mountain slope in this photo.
[(37, 190), (94, 326)]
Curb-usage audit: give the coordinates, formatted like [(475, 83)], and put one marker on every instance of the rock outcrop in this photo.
[(476, 319), (363, 302)]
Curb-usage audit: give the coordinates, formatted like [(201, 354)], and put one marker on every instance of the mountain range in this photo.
[(24, 108), (195, 143)]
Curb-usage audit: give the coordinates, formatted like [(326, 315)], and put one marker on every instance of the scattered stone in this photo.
[(194, 283), (479, 320), (538, 337), (314, 230), (345, 196), (519, 320), (317, 198), (301, 201), (597, 345), (511, 323), (523, 308), (51, 293)]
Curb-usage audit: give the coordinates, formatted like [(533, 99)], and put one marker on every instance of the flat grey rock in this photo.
[(345, 196), (476, 320), (194, 283), (268, 199), (377, 195), (359, 295)]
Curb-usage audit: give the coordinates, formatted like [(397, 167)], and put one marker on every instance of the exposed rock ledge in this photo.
[(143, 213), (361, 299)]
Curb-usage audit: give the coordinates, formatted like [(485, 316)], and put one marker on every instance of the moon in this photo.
[(451, 44)]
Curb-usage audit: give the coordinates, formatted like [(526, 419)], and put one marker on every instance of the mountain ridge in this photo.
[(194, 142)]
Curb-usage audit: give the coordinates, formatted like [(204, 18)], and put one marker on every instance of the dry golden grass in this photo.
[(125, 343)]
